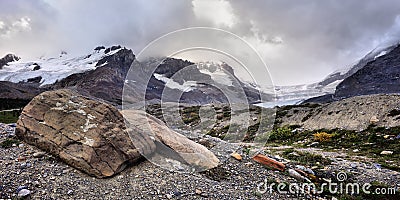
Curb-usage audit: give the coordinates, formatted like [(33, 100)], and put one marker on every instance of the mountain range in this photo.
[(376, 73), (102, 74)]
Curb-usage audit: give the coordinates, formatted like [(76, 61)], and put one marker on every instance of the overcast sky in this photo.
[(301, 41)]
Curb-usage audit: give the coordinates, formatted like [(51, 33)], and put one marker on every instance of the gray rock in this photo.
[(297, 176), (38, 154), (21, 188), (313, 144), (377, 166), (386, 152), (24, 193), (178, 146)]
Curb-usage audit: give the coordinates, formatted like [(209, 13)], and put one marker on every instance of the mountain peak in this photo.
[(8, 58)]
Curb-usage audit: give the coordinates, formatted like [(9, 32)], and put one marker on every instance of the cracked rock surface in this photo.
[(86, 134)]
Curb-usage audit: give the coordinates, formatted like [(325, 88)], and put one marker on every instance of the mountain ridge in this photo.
[(103, 75)]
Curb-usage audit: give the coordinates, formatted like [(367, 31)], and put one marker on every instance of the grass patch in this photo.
[(369, 143), (8, 143), (8, 117), (305, 158)]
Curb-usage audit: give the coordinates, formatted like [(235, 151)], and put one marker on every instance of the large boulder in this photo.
[(92, 136), (175, 146), (88, 135)]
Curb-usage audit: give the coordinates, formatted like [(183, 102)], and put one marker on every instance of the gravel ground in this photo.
[(25, 167), (48, 178)]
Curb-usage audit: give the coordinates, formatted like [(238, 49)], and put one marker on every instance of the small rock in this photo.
[(386, 152), (314, 167), (70, 192), (21, 145), (277, 158), (198, 192), (24, 193), (21, 158), (39, 154), (313, 144), (14, 145), (356, 150), (294, 154), (305, 169), (374, 120), (237, 156), (353, 165), (21, 188), (24, 165), (386, 136), (398, 137), (177, 193), (169, 196), (293, 173), (36, 183), (377, 166)]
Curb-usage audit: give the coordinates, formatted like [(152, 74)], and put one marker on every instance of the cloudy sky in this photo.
[(301, 41)]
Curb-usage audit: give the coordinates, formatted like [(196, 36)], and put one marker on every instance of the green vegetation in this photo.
[(369, 143), (305, 158), (190, 115), (8, 117), (8, 143)]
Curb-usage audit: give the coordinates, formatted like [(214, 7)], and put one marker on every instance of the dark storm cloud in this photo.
[(301, 41), (319, 36), (78, 26)]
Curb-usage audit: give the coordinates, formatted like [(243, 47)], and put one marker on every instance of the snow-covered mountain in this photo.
[(325, 89), (103, 74), (339, 75), (46, 71)]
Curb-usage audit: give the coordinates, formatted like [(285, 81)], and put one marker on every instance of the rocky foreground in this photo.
[(34, 152), (28, 169)]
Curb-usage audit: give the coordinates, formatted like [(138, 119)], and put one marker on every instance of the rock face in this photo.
[(88, 135), (379, 76), (25, 91), (178, 146), (8, 58), (206, 90), (355, 113), (106, 81)]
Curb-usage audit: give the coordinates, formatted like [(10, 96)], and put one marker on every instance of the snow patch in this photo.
[(186, 87), (218, 75), (382, 53)]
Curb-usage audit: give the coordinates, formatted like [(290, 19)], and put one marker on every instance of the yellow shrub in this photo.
[(322, 137)]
